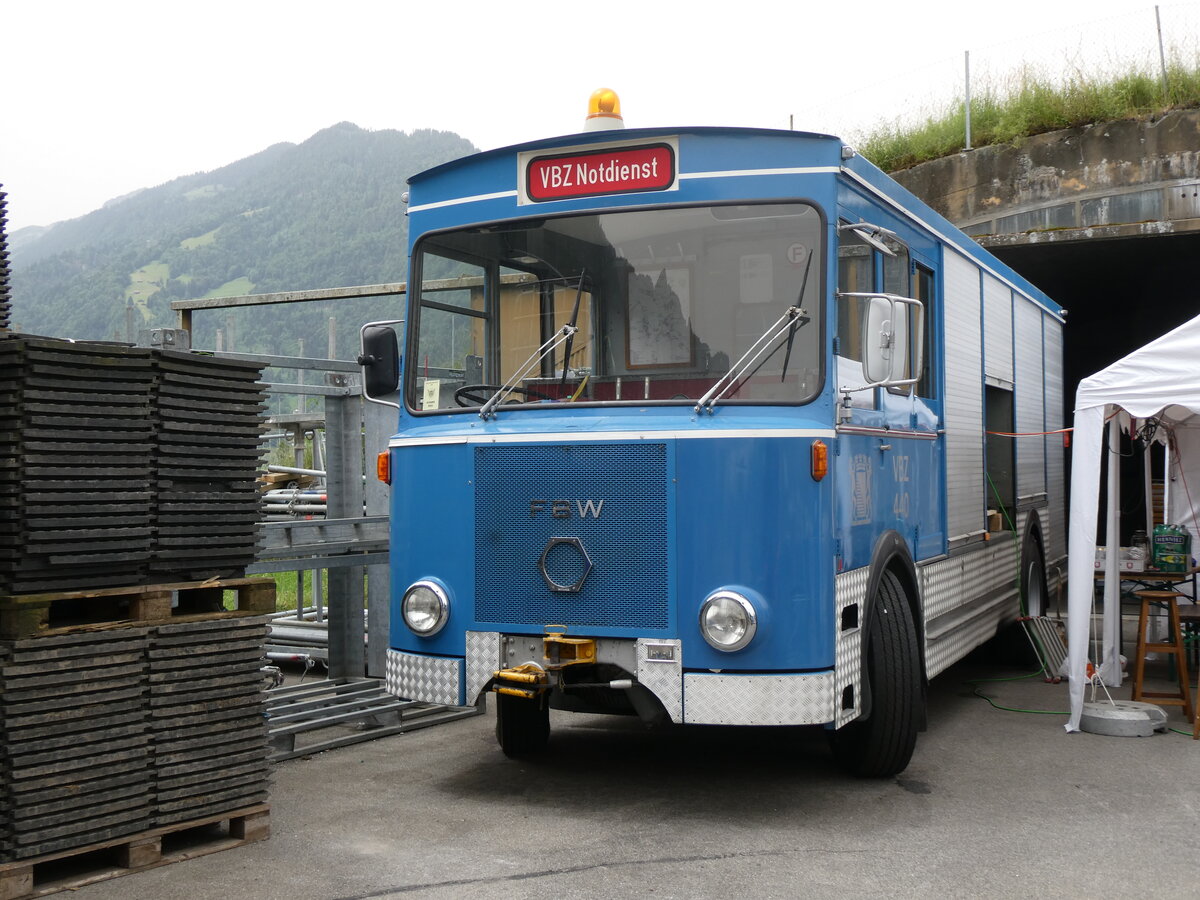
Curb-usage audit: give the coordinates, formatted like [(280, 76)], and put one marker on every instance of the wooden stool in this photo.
[(1182, 697)]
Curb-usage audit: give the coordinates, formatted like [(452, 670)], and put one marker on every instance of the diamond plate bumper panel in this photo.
[(663, 679), (430, 679), (758, 699), (851, 588), (483, 659)]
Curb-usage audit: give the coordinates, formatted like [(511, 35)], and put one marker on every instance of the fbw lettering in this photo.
[(566, 509)]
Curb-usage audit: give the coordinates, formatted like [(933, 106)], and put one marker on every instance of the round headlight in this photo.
[(425, 608), (728, 621)]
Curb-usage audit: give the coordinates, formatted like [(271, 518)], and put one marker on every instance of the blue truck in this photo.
[(710, 426)]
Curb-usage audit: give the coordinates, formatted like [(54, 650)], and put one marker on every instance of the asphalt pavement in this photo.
[(994, 804)]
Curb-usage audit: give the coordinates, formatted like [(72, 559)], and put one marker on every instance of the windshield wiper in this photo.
[(787, 357), (793, 318), (564, 334), (571, 337)]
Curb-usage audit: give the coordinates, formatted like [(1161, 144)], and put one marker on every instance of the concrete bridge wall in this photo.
[(1109, 180)]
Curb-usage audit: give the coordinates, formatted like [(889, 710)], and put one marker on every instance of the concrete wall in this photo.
[(1143, 175)]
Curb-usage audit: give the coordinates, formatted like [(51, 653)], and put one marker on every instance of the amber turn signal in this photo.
[(820, 460), (383, 467)]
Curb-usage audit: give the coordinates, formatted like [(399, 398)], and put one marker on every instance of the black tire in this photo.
[(1035, 599), (882, 744), (1010, 646), (522, 726)]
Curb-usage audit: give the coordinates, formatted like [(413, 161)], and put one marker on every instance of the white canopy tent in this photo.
[(1162, 380)]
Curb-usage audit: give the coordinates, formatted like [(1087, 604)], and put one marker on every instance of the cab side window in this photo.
[(923, 290), (856, 274)]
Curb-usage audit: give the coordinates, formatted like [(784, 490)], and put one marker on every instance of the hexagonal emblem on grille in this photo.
[(565, 565)]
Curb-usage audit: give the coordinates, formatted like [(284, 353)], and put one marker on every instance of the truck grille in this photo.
[(626, 541)]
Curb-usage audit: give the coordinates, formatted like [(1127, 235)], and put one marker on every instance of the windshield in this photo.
[(621, 307)]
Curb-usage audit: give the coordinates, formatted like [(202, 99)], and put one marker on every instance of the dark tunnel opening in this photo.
[(1119, 294)]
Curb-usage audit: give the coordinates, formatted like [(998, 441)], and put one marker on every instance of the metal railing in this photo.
[(347, 545)]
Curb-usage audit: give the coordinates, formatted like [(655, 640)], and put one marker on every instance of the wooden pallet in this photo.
[(28, 615), (73, 869)]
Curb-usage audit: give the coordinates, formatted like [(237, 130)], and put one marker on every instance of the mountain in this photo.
[(321, 214)]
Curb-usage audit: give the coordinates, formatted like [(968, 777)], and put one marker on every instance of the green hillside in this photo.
[(321, 214)]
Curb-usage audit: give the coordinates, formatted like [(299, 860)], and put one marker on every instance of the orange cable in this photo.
[(1030, 433)]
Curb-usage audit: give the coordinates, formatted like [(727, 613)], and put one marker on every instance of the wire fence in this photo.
[(1093, 52)]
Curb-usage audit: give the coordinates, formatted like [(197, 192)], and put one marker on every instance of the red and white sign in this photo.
[(595, 172)]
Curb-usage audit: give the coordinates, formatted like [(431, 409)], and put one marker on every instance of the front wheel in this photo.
[(522, 726), (882, 744)]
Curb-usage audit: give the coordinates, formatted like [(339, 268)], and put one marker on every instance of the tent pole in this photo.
[(1110, 668), (1166, 490), (1148, 487), (1087, 454)]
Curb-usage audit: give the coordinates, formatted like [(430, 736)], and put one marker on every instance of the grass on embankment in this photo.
[(1031, 105)]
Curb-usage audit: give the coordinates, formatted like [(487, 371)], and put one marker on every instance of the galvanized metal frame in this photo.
[(352, 541)]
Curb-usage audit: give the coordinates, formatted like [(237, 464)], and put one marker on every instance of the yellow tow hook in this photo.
[(526, 680), (531, 679), (561, 651)]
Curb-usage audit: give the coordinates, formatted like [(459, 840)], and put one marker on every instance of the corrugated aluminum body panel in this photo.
[(1055, 454), (967, 597), (1030, 410), (998, 329), (964, 399)]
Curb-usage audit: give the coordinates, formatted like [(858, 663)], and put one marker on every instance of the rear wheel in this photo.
[(1033, 579), (522, 726), (882, 744)]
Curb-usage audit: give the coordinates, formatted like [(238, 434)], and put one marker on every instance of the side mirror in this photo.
[(879, 341), (380, 360)]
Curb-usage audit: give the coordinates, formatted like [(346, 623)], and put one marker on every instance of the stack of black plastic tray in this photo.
[(5, 283), (75, 472), (76, 758), (208, 708), (209, 427)]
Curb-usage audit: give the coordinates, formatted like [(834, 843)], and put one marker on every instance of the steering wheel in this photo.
[(479, 394)]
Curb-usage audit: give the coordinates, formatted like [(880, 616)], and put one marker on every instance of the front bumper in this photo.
[(698, 698)]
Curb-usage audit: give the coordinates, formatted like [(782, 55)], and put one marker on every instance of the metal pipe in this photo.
[(289, 657), (319, 450), (292, 470), (967, 62), (318, 595), (300, 400), (289, 613), (1110, 668), (1162, 56), (284, 635)]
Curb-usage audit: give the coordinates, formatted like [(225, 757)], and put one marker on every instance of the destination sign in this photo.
[(613, 170)]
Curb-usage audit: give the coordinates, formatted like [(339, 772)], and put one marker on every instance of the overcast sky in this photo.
[(103, 98)]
